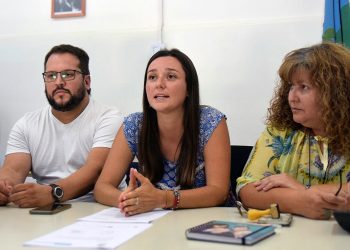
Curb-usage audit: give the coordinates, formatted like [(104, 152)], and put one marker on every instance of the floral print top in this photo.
[(209, 120), (297, 154)]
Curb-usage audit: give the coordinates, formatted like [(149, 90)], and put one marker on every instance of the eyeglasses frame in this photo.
[(60, 73)]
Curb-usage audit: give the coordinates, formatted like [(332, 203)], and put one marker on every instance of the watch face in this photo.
[(58, 192)]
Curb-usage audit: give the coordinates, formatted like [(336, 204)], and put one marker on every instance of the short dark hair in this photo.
[(150, 157), (78, 52)]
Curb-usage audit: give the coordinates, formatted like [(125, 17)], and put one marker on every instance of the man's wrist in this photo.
[(56, 192)]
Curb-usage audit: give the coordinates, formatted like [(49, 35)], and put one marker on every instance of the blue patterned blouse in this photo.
[(209, 120)]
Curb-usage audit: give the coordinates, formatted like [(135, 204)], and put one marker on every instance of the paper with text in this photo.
[(114, 215), (92, 235)]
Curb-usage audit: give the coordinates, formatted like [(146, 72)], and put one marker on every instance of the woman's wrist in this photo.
[(165, 205), (176, 201), (299, 186), (162, 195), (170, 199)]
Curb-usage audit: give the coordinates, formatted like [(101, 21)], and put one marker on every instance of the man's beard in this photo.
[(73, 102)]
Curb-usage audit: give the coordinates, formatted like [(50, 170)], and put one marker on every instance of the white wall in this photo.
[(236, 46)]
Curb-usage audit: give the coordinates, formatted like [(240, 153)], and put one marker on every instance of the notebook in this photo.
[(230, 232)]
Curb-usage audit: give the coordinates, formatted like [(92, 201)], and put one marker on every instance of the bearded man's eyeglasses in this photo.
[(66, 75)]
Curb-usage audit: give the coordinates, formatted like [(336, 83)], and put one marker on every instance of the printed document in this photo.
[(91, 235), (114, 215)]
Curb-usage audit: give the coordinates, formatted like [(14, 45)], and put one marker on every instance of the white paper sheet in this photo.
[(113, 215), (92, 235)]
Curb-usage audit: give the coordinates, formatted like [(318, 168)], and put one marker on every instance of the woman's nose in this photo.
[(160, 82), (292, 95)]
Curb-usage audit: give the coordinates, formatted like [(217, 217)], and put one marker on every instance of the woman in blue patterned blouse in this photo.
[(183, 149)]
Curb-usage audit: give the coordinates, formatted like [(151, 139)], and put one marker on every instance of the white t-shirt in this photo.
[(57, 149)]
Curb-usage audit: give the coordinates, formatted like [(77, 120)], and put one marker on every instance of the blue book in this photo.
[(230, 232)]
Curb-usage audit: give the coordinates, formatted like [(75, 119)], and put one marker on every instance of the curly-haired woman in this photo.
[(301, 160)]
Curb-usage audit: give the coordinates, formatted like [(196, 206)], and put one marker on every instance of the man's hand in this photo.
[(5, 191), (31, 195)]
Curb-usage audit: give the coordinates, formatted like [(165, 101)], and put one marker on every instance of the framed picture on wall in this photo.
[(67, 8)]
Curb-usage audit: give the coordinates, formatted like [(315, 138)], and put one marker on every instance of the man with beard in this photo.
[(65, 144)]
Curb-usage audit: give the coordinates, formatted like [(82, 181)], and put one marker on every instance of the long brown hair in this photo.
[(150, 155), (329, 68)]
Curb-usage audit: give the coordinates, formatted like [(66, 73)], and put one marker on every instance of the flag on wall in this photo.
[(336, 25)]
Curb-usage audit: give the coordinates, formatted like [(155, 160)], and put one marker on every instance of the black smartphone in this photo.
[(50, 209)]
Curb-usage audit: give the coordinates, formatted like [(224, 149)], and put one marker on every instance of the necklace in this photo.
[(309, 183), (325, 161)]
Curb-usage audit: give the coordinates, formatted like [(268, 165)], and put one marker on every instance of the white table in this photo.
[(168, 232)]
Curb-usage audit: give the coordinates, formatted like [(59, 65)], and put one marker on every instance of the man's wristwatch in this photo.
[(57, 192)]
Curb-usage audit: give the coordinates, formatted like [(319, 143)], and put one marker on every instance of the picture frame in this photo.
[(67, 8)]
